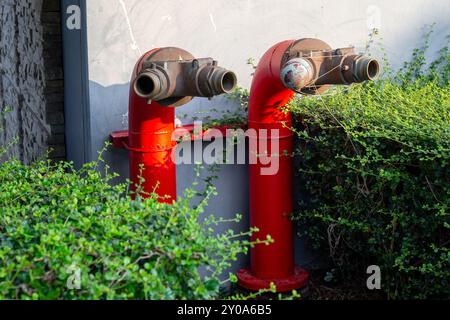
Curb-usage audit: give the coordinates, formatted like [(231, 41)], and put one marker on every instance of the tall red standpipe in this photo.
[(302, 66), (271, 200)]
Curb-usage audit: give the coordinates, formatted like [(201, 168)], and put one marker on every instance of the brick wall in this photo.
[(31, 78)]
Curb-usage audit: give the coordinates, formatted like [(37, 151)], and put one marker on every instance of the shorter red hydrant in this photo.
[(162, 80)]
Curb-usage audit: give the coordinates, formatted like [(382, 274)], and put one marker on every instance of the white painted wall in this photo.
[(232, 31)]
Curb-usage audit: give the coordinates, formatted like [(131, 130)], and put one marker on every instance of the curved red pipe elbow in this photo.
[(271, 202), (150, 144), (268, 94)]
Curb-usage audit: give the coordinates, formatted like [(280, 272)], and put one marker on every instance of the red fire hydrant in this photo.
[(162, 80), (304, 66)]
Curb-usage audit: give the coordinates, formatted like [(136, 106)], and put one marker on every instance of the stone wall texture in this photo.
[(31, 79)]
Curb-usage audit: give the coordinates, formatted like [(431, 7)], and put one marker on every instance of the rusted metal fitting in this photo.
[(365, 69), (310, 66), (214, 80), (175, 82)]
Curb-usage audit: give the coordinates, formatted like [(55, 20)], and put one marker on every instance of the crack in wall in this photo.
[(211, 17), (134, 44)]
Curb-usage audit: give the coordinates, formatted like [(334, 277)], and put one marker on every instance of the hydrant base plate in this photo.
[(298, 281)]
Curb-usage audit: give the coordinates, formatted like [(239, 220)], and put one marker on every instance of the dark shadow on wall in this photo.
[(108, 107), (109, 112)]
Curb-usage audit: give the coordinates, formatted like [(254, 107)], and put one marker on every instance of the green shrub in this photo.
[(58, 225), (374, 166)]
